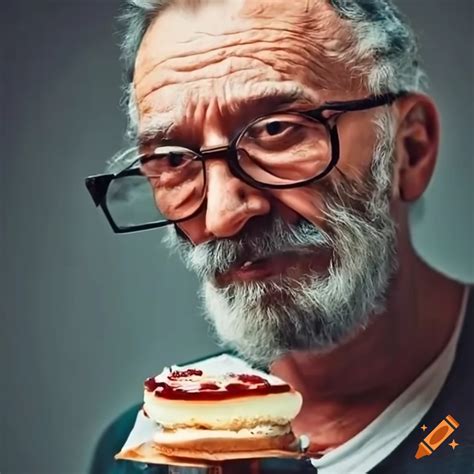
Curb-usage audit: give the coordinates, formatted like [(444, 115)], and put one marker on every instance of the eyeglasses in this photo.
[(280, 150)]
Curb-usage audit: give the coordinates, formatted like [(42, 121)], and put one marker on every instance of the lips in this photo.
[(252, 263), (295, 264), (247, 269), (255, 269)]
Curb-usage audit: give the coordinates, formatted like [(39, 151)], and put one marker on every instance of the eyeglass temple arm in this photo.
[(369, 103)]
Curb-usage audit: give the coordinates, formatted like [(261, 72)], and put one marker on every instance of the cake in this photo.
[(227, 413)]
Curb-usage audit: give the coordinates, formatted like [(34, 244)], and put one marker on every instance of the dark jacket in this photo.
[(456, 399)]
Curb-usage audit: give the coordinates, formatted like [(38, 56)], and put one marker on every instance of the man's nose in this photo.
[(230, 201)]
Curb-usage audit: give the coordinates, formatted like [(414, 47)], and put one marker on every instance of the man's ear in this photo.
[(417, 143)]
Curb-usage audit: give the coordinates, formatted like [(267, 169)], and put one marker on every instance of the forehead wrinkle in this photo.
[(226, 60), (178, 60), (284, 91), (219, 67), (222, 50)]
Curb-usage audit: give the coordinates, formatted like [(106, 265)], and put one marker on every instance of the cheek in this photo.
[(195, 229), (357, 142)]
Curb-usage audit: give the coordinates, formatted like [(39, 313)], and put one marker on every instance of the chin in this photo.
[(262, 321)]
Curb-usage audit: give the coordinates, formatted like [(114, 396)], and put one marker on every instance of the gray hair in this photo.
[(382, 38)]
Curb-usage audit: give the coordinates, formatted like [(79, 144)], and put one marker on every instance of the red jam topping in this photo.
[(185, 385), (209, 386), (246, 378), (181, 374), (151, 384)]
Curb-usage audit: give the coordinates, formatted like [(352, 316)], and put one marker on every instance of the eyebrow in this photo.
[(159, 128)]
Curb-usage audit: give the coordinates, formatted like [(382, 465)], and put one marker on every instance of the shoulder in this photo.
[(111, 441), (114, 436)]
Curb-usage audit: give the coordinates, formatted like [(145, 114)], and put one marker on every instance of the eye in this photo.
[(175, 160), (272, 129), (273, 133), (171, 161)]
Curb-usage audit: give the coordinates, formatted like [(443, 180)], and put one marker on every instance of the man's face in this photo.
[(293, 269)]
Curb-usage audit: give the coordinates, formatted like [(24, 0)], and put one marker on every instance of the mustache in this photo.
[(262, 237)]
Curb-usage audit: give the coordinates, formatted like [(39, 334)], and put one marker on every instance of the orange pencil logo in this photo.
[(436, 437)]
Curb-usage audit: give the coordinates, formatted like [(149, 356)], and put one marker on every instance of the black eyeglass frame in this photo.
[(98, 185)]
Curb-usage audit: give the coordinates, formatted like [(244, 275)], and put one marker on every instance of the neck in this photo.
[(347, 388)]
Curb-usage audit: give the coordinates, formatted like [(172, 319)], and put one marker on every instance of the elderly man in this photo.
[(282, 143)]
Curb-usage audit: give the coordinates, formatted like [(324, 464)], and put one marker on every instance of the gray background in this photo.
[(87, 315)]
